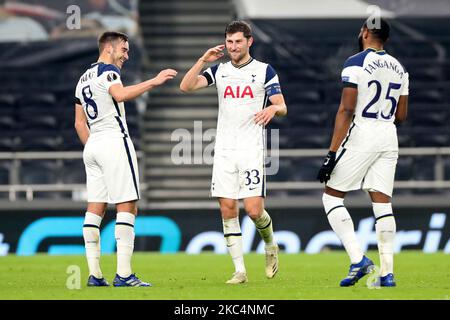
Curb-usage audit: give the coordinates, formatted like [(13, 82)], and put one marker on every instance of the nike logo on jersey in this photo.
[(252, 188)]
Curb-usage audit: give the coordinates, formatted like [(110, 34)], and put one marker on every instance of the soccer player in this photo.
[(243, 86), (109, 155), (364, 148)]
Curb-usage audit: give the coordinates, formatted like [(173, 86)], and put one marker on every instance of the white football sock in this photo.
[(91, 235), (385, 228), (124, 233), (233, 238), (264, 226), (342, 225)]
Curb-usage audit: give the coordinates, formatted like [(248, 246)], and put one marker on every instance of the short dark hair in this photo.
[(239, 26), (381, 33), (110, 36)]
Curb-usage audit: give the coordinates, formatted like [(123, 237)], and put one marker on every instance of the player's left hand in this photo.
[(265, 115)]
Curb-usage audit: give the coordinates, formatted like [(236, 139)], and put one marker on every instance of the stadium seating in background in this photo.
[(8, 117), (307, 168), (70, 140), (428, 115), (72, 172), (424, 168), (405, 169), (285, 171), (39, 172), (9, 142), (41, 139), (309, 58), (41, 98), (447, 168), (425, 137), (5, 167)]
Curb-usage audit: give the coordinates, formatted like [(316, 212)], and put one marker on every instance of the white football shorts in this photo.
[(369, 171), (112, 174), (238, 174)]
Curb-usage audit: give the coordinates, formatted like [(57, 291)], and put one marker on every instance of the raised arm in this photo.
[(121, 93), (192, 80)]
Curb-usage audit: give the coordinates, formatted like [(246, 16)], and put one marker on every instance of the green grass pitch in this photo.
[(191, 277)]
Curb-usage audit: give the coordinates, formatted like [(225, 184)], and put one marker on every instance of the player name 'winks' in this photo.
[(383, 64), (236, 93)]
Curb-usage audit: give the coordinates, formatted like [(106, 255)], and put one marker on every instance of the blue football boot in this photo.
[(96, 282), (130, 281), (357, 271), (387, 280)]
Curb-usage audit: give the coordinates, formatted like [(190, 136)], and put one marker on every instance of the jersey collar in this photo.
[(95, 63), (240, 66), (380, 52)]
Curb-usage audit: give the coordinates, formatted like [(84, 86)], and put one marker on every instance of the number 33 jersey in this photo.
[(242, 92), (380, 80), (105, 115)]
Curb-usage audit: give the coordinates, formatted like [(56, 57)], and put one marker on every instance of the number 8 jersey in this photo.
[(112, 173), (380, 80), (105, 115)]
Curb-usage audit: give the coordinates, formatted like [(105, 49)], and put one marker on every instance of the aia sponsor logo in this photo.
[(238, 92)]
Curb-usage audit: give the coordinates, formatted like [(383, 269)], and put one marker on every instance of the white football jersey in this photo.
[(380, 80), (105, 115), (242, 92)]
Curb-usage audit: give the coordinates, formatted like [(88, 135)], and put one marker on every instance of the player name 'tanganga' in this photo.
[(376, 64)]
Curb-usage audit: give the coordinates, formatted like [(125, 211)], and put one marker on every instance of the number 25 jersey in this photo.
[(380, 80)]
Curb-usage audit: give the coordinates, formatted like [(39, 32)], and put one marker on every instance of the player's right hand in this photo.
[(164, 75), (327, 167), (213, 54)]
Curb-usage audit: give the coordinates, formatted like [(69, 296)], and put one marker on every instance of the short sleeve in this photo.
[(77, 98), (210, 74), (351, 71), (111, 77), (109, 74), (350, 77), (272, 82), (405, 85)]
